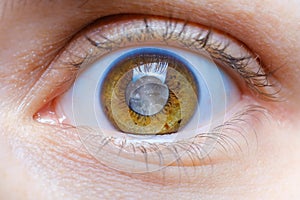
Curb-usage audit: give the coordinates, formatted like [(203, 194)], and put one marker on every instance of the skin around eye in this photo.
[(140, 155), (50, 162)]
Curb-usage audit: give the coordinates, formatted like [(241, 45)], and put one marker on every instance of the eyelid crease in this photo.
[(221, 48)]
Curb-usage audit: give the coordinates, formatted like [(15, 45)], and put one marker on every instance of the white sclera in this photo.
[(82, 106)]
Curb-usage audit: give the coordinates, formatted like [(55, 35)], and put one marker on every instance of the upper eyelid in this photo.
[(205, 15), (91, 11)]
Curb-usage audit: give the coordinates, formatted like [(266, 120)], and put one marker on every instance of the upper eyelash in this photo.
[(258, 81), (254, 80)]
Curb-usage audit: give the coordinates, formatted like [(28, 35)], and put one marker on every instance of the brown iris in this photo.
[(149, 93)]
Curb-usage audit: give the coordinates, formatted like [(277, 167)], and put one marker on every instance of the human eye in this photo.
[(148, 93)]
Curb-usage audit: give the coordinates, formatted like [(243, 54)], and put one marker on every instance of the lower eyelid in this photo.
[(62, 150), (232, 139)]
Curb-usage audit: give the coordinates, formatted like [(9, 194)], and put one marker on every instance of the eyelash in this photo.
[(229, 138), (258, 81), (223, 134)]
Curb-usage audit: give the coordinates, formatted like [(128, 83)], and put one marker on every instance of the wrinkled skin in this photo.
[(42, 162)]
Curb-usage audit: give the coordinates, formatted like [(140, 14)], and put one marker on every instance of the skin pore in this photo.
[(39, 161)]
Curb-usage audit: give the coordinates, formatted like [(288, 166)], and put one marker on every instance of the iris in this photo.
[(149, 91)]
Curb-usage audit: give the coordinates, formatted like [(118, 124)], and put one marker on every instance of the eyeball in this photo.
[(144, 95)]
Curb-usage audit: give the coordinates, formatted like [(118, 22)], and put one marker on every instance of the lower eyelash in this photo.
[(228, 138)]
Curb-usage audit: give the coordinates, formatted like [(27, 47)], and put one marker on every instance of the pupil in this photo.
[(147, 96)]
